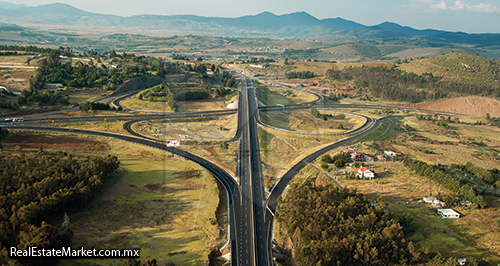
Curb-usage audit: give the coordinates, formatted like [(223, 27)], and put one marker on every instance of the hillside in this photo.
[(473, 106), (458, 67)]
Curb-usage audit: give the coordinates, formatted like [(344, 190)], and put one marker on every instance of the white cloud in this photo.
[(441, 6), (458, 6), (483, 7)]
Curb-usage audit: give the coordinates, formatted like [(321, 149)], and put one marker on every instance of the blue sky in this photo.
[(472, 16)]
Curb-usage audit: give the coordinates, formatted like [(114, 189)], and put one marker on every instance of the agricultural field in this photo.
[(145, 205), (15, 77)]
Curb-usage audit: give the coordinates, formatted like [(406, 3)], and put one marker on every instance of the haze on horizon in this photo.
[(471, 16)]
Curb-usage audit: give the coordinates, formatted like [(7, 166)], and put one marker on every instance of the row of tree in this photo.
[(395, 84), (442, 177), (300, 75), (340, 159), (88, 106), (37, 187), (161, 93)]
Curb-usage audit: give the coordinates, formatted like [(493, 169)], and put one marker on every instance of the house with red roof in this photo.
[(357, 156), (366, 173)]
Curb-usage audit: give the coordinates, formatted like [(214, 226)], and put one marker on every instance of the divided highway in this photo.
[(250, 213), (256, 251)]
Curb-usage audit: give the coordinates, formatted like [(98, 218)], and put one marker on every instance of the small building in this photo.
[(357, 156), (390, 154), (209, 72), (438, 203), (369, 159), (364, 172), (381, 158), (257, 66), (462, 261), (348, 150), (448, 213), (429, 200)]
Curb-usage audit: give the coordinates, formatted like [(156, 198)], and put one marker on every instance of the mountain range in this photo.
[(266, 24)]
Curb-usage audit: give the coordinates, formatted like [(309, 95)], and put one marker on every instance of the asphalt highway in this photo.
[(250, 214)]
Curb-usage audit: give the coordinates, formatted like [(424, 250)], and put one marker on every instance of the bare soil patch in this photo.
[(472, 106), (59, 142)]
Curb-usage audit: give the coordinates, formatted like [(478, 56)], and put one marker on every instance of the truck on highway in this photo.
[(18, 119)]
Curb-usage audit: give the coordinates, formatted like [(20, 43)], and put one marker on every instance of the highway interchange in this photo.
[(251, 214)]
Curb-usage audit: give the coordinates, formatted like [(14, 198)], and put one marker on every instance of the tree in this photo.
[(231, 82), (315, 112), (325, 166), (340, 126), (448, 200), (223, 146), (326, 159), (285, 62)]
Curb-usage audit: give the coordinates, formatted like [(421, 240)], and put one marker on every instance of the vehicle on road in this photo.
[(8, 119), (18, 119)]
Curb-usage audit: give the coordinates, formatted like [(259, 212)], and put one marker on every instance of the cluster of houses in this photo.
[(358, 156), (445, 213), (364, 172)]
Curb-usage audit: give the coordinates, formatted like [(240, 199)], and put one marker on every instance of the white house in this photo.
[(448, 214), (390, 154), (366, 173)]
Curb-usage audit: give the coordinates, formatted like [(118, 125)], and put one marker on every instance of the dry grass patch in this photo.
[(211, 104), (55, 142), (110, 127), (281, 150), (304, 121), (197, 129), (86, 95)]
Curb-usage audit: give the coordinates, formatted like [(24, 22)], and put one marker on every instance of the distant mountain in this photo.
[(407, 30), (8, 5), (10, 27), (265, 24)]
